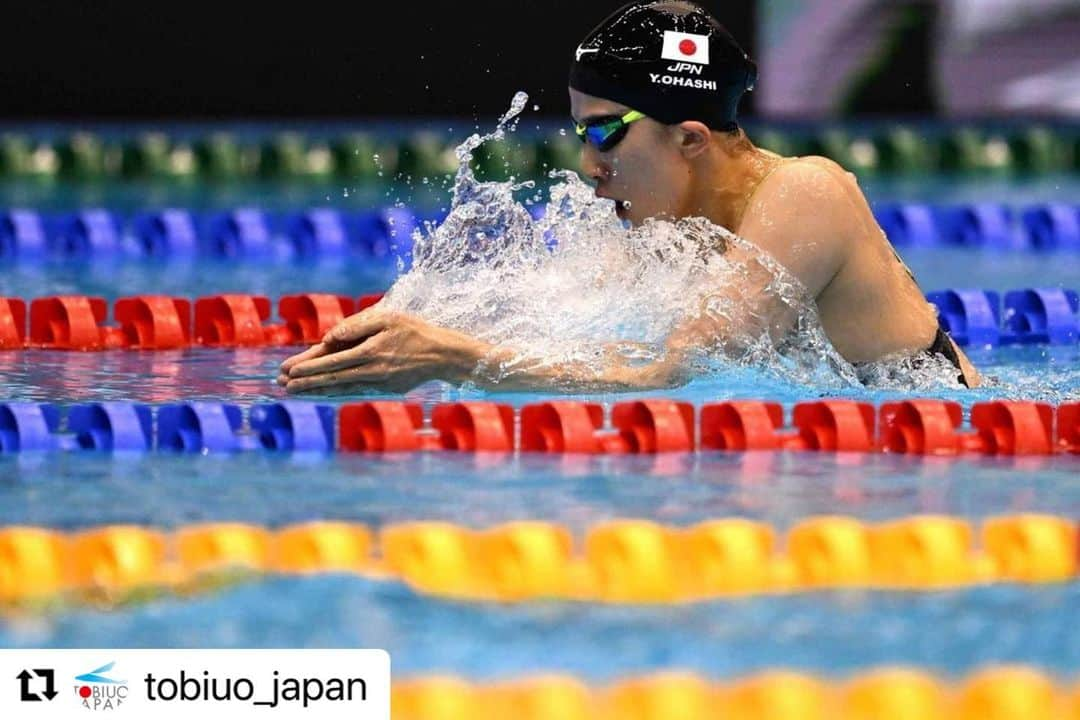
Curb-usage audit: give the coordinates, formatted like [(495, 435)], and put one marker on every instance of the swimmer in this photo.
[(654, 91)]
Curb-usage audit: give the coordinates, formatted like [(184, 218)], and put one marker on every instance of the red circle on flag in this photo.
[(688, 47), (84, 691)]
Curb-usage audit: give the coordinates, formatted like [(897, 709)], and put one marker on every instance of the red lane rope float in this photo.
[(1003, 427), (650, 426), (365, 301), (825, 425), (742, 425), (1014, 428), (154, 322), (645, 426), (834, 426), (387, 426), (382, 426), (76, 322), (12, 323), (236, 321), (921, 427), (474, 426), (151, 322), (562, 426), (1068, 427), (308, 317), (72, 322)]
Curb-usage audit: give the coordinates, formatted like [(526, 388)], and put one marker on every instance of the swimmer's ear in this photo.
[(693, 137)]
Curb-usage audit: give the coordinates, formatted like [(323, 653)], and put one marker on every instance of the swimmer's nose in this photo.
[(591, 165)]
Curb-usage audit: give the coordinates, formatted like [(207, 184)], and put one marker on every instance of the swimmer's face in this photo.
[(646, 169)]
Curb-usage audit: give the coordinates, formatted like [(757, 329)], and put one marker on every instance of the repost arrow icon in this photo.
[(24, 685), (50, 688), (24, 688)]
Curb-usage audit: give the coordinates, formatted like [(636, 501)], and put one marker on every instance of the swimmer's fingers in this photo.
[(350, 389), (361, 376), (348, 332), (359, 327), (361, 354), (311, 353)]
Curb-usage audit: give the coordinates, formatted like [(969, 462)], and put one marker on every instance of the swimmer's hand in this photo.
[(383, 351)]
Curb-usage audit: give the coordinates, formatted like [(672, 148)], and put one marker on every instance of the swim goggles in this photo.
[(607, 132)]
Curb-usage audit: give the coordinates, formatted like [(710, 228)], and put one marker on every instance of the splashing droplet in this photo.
[(577, 288)]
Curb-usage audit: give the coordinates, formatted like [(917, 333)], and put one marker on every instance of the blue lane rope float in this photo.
[(1053, 227), (166, 233), (1041, 316), (88, 233), (990, 226), (384, 234), (971, 317), (378, 235)]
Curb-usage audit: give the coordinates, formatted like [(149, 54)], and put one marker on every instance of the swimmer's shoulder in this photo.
[(831, 167), (824, 180), (852, 204), (813, 197), (819, 176)]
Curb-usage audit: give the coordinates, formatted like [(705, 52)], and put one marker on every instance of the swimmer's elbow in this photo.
[(655, 376), (669, 381)]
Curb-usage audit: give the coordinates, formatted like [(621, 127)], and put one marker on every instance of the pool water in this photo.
[(824, 632), (830, 633)]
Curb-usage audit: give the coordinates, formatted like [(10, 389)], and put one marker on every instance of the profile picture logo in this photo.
[(99, 692)]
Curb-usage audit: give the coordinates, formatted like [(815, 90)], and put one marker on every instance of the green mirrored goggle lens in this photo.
[(606, 133)]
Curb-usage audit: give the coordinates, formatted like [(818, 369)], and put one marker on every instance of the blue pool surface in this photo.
[(831, 633)]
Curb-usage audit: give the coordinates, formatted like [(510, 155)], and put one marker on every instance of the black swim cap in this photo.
[(669, 59)]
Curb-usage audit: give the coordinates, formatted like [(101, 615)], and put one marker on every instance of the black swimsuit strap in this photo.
[(942, 345)]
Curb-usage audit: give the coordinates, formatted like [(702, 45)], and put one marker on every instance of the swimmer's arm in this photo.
[(502, 369), (804, 218), (389, 351)]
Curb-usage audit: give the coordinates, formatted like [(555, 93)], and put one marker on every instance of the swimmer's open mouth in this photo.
[(621, 206)]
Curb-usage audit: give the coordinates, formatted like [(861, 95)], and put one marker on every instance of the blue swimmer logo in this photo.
[(95, 676), (97, 691)]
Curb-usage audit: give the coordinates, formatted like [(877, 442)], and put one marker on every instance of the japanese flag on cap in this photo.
[(686, 47)]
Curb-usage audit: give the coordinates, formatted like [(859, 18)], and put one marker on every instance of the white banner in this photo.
[(164, 684)]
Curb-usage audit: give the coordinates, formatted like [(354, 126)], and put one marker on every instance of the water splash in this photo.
[(579, 287)]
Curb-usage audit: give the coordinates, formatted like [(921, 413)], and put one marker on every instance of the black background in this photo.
[(399, 59)]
